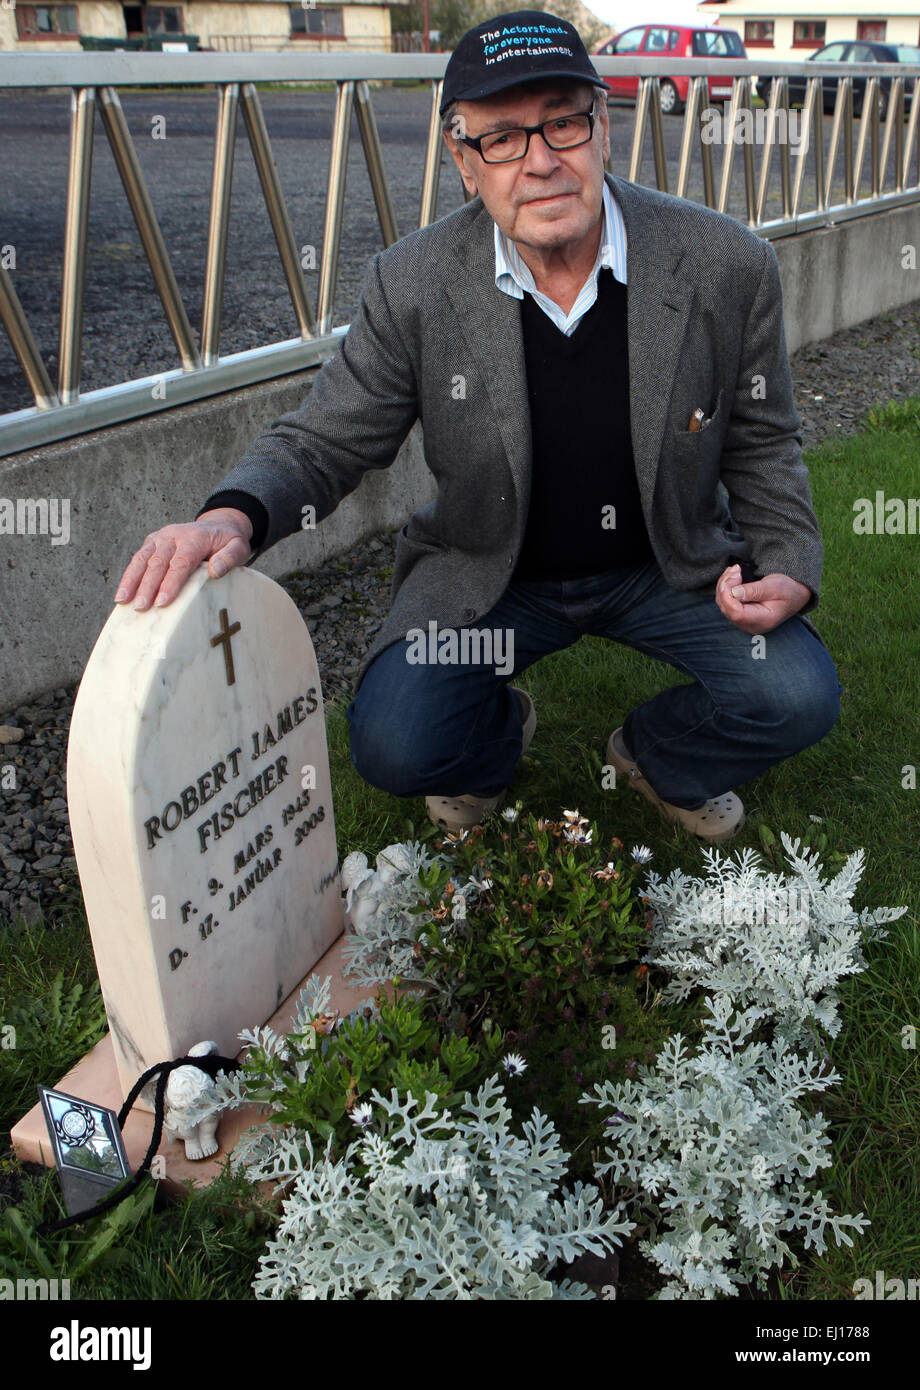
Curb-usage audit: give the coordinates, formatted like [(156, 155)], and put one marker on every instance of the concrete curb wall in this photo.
[(839, 276), (130, 479)]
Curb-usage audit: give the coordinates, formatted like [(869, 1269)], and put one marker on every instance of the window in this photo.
[(807, 33), (717, 43), (317, 21), (44, 21), (630, 41), (873, 30), (832, 54), (164, 19), (134, 20), (657, 41), (861, 53), (758, 33)]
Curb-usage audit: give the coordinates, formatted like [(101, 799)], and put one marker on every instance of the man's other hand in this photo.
[(762, 605), (164, 562)]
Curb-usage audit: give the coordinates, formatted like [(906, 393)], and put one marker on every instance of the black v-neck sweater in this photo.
[(585, 514)]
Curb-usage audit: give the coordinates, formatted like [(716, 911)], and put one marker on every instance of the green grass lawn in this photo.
[(853, 781)]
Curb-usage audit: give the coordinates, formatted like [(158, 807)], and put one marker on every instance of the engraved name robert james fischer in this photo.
[(226, 771)]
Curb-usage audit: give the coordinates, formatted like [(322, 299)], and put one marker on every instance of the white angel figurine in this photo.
[(185, 1089)]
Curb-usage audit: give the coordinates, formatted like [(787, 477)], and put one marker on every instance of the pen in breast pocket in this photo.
[(697, 421)]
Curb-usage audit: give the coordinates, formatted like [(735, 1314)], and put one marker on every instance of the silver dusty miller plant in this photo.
[(776, 943), (717, 1139), (430, 1205)]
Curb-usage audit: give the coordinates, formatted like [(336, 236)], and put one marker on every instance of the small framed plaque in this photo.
[(87, 1146)]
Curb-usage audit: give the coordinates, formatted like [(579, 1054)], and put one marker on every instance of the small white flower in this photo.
[(514, 1063), (817, 820), (575, 817), (362, 1115), (577, 836), (510, 814), (641, 853)]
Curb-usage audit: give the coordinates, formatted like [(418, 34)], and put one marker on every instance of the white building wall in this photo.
[(840, 19)]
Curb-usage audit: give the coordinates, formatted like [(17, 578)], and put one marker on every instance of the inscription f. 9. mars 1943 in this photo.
[(260, 854)]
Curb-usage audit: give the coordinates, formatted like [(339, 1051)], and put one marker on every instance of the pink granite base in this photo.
[(95, 1078)]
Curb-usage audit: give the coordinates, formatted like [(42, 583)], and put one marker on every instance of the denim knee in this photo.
[(381, 752), (801, 708)]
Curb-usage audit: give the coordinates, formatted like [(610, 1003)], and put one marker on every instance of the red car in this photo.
[(672, 41)]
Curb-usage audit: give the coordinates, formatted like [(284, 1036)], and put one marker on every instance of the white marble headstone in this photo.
[(201, 812)]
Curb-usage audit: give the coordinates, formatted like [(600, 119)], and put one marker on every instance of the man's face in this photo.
[(550, 198)]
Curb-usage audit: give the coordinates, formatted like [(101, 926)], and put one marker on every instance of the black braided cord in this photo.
[(210, 1064)]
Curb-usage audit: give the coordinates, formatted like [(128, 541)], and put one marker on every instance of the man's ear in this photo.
[(456, 153), (604, 117)]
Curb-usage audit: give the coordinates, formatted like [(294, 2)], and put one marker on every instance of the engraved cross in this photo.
[(223, 639)]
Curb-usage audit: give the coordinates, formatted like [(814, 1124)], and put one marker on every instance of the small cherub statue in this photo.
[(365, 888), (184, 1091)]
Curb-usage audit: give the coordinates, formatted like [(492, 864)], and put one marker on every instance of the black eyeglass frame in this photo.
[(475, 141)]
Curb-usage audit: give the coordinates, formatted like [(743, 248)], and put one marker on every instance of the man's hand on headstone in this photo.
[(760, 606), (157, 572)]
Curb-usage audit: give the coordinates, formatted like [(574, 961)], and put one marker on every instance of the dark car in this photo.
[(850, 51), (672, 41)]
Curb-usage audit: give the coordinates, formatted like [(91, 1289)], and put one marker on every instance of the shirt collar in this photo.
[(514, 277)]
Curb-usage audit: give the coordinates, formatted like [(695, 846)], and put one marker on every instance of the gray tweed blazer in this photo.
[(705, 327)]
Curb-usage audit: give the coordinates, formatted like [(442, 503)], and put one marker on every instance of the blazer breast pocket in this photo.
[(698, 439)]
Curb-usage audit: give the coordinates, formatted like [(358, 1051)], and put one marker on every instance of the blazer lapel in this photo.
[(491, 321), (658, 308), (657, 311)]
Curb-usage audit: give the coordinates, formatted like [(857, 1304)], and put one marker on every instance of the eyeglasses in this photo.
[(559, 132)]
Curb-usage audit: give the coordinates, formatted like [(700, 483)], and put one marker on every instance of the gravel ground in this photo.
[(836, 381)]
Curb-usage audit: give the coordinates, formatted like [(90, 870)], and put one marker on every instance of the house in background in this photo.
[(258, 25), (789, 30)]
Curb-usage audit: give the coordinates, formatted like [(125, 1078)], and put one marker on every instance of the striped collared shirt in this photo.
[(514, 277)]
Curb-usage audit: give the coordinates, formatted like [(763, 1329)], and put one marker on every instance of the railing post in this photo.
[(116, 128), (73, 280), (335, 202), (433, 154), (221, 184), (24, 345), (267, 170), (373, 156)]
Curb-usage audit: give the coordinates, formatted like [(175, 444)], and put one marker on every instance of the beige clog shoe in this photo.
[(720, 818), (456, 813)]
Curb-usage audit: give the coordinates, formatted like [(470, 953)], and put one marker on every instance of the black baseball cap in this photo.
[(511, 48)]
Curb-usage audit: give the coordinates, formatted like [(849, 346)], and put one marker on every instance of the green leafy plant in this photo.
[(314, 1078), (521, 924)]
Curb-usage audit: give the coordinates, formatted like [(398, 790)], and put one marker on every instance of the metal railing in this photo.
[(61, 410)]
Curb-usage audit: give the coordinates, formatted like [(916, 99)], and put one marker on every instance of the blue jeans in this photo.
[(452, 729)]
